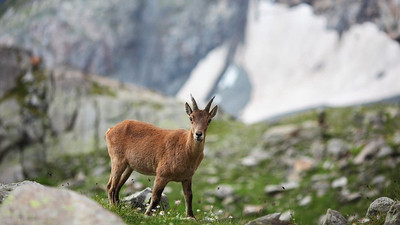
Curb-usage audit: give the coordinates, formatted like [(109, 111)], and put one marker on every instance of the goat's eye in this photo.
[(190, 118)]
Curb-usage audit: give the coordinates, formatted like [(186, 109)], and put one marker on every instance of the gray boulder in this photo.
[(38, 204), (270, 219), (142, 200), (334, 217), (393, 216), (379, 207), (273, 189)]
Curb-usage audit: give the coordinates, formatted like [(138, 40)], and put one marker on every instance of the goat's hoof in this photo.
[(191, 218)]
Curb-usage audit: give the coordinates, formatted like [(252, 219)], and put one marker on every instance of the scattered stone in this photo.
[(348, 197), (310, 130), (228, 200), (278, 134), (250, 210), (379, 207), (301, 165), (321, 187), (256, 156), (384, 152), (305, 201), (334, 217), (33, 203), (212, 180), (274, 189), (396, 138), (287, 215), (270, 219), (393, 215), (318, 149), (320, 177), (369, 151), (224, 191), (378, 180), (337, 148), (340, 182), (142, 199)]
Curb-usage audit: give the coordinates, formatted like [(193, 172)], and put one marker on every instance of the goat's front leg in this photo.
[(158, 188), (187, 191)]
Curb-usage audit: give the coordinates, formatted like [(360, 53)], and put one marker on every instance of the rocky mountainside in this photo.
[(150, 43), (261, 58), (49, 113)]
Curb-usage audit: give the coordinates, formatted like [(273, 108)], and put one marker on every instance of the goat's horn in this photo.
[(207, 109), (195, 107)]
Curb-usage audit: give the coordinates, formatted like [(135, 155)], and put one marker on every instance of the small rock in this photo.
[(334, 217), (393, 215), (270, 219), (224, 191), (278, 134), (255, 157), (384, 151), (347, 196), (274, 189), (305, 201), (140, 199), (378, 180), (287, 215), (379, 207), (212, 180), (369, 151), (337, 148), (318, 149), (396, 138), (303, 164), (249, 210), (340, 182)]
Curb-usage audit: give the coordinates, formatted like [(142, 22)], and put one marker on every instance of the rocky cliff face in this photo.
[(46, 114), (341, 15), (151, 43), (261, 59), (293, 60)]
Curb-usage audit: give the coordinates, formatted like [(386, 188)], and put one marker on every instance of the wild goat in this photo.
[(170, 155)]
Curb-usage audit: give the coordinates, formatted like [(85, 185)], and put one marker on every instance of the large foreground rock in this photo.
[(393, 216), (36, 204)]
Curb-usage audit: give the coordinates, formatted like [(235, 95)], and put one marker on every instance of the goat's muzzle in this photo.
[(198, 136)]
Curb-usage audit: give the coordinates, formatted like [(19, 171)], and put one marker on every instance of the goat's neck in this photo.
[(194, 147)]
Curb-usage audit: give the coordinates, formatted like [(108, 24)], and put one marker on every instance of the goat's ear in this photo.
[(188, 109), (214, 111)]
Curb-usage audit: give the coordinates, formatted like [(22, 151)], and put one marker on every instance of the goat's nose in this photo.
[(199, 133)]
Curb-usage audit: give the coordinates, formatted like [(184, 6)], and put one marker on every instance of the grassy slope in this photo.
[(229, 142)]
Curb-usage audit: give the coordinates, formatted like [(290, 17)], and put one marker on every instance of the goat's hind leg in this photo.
[(117, 169)]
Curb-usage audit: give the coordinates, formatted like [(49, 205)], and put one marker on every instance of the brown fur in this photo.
[(170, 155)]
